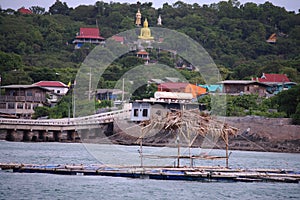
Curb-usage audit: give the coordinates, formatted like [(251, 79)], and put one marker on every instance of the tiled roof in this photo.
[(25, 11), (50, 84), (241, 82), (142, 53), (118, 38), (89, 33), (236, 82), (268, 78), (23, 87)]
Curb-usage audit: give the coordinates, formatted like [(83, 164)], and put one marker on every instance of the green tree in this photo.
[(288, 100), (37, 10), (296, 116), (41, 111), (59, 8)]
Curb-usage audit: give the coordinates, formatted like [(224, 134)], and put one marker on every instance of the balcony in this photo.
[(21, 99)]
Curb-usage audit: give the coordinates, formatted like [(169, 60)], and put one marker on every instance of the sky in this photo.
[(290, 5)]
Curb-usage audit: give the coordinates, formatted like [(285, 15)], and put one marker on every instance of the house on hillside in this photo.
[(88, 35), (119, 39), (275, 82), (25, 11), (108, 94), (57, 88), (239, 87), (181, 88), (21, 100)]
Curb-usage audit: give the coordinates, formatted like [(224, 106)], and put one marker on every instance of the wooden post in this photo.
[(226, 138), (141, 147), (178, 150)]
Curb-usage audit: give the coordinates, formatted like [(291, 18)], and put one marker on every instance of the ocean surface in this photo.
[(48, 186)]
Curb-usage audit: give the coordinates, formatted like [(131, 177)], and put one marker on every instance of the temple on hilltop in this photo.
[(88, 35)]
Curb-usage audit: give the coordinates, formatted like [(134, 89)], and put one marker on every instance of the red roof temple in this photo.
[(88, 35)]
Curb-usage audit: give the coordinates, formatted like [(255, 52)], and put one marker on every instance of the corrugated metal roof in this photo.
[(23, 87)]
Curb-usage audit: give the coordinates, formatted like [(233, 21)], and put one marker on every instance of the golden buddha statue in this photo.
[(138, 17), (146, 32)]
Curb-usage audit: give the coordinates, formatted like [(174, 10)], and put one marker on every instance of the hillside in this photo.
[(38, 46)]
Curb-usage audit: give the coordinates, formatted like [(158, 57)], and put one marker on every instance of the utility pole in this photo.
[(123, 91), (74, 84), (90, 83)]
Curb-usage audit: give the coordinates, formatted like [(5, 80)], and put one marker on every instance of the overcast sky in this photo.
[(290, 5)]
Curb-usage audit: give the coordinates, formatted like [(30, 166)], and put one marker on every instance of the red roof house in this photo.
[(272, 78), (25, 11), (55, 86)]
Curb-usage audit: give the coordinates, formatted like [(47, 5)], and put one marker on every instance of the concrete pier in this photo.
[(11, 135), (89, 127), (57, 136), (27, 135)]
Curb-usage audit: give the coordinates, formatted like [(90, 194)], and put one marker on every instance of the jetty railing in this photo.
[(91, 119)]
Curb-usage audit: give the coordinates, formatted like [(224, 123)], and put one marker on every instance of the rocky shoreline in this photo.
[(255, 134)]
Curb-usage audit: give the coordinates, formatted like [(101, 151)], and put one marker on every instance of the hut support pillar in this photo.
[(227, 157)]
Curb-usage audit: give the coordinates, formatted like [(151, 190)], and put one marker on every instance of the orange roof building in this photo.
[(182, 87)]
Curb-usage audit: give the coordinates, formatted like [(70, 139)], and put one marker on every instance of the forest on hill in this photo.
[(38, 46)]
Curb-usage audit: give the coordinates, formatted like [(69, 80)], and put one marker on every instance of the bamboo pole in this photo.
[(227, 157)]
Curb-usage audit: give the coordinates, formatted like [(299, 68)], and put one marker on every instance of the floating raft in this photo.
[(202, 174)]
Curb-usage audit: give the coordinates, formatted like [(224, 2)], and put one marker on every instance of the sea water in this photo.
[(49, 186)]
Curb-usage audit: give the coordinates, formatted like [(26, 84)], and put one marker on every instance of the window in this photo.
[(11, 105), (58, 91), (20, 105), (2, 105), (29, 93), (28, 106), (136, 112), (145, 112)]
